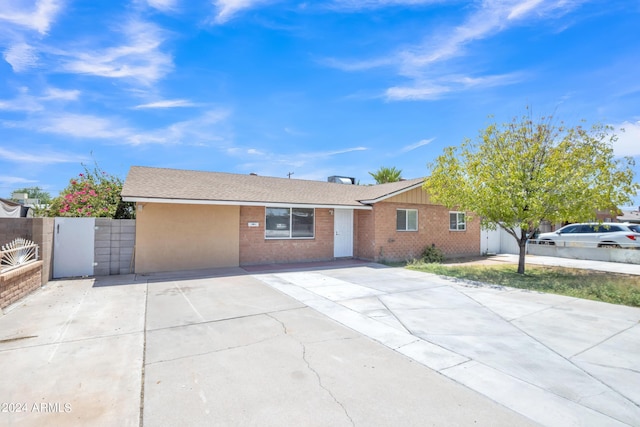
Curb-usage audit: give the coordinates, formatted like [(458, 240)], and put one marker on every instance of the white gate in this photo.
[(343, 236), (498, 241), (73, 247), (490, 241)]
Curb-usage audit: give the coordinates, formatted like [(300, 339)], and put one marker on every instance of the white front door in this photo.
[(343, 233)]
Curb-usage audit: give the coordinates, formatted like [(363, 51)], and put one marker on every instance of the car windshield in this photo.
[(634, 227)]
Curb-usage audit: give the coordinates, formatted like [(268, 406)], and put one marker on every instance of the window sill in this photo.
[(289, 238)]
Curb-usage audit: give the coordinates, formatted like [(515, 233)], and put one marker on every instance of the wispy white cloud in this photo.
[(294, 132), (12, 180), (163, 5), (39, 157), (358, 65), (202, 130), (332, 153), (417, 92), (226, 9), (137, 58), (418, 144), (289, 160), (418, 63), (32, 103), (522, 8), (492, 17), (628, 143), (442, 85), (370, 4), (23, 102), (53, 93), (83, 126), (39, 17), (21, 56), (166, 103)]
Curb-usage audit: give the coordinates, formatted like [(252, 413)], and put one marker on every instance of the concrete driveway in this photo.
[(347, 345), (559, 361)]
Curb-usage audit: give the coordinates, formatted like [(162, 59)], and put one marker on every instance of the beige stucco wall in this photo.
[(183, 237)]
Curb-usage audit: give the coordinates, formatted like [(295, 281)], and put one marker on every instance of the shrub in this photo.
[(432, 255), (93, 193)]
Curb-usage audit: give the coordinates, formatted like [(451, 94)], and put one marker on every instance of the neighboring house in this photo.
[(629, 215), (191, 220), (30, 205), (10, 209), (607, 216)]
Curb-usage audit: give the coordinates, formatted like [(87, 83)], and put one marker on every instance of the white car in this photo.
[(605, 235)]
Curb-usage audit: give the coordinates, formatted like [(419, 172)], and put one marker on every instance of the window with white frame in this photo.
[(290, 223), (407, 220), (457, 221)]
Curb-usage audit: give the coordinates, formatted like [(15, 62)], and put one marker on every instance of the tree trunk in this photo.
[(522, 244)]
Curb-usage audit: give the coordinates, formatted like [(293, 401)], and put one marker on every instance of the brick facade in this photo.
[(20, 282), (364, 241), (255, 249), (375, 236), (433, 228)]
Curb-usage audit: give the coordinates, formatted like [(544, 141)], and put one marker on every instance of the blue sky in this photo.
[(316, 88)]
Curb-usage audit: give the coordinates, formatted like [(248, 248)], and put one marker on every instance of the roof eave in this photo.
[(240, 203)]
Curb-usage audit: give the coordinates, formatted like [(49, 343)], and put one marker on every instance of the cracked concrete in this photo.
[(557, 360), (216, 348)]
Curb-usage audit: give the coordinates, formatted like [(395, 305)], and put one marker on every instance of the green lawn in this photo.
[(599, 286)]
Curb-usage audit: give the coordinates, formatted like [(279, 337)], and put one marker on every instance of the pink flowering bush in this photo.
[(92, 194)]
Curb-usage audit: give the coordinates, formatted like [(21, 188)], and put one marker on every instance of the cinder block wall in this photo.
[(255, 249), (11, 228), (114, 245), (433, 228), (42, 232)]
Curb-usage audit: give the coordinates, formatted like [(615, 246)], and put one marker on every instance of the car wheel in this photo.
[(547, 242), (609, 245)]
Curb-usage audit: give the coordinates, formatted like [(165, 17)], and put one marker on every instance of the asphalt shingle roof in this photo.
[(176, 184)]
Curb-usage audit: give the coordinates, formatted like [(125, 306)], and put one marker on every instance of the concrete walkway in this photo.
[(222, 348), (557, 360)]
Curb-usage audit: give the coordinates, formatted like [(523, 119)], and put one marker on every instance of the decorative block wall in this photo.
[(38, 230)]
